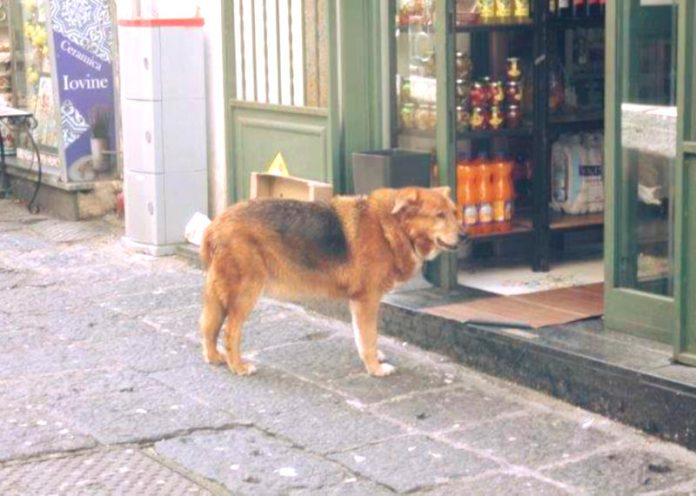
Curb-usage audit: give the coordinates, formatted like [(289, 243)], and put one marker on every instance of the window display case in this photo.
[(63, 74)]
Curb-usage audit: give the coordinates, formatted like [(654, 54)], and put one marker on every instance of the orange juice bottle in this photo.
[(467, 194), (503, 192), (485, 191)]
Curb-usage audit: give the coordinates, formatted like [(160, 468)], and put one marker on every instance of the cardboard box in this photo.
[(294, 188)]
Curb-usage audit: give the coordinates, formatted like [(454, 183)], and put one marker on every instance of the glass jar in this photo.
[(514, 70), (513, 116), (462, 66), (463, 118), (486, 9), (405, 92), (478, 120), (521, 9), (461, 91), (488, 96), (496, 119), (431, 117), (513, 93), (478, 95), (497, 93), (503, 8), (407, 115), (420, 117)]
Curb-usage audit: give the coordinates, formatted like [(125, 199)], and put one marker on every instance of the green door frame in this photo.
[(443, 271), (636, 312), (685, 284)]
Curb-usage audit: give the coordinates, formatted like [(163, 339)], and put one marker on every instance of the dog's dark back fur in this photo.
[(312, 230)]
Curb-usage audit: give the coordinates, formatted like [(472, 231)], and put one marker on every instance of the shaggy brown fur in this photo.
[(353, 248)]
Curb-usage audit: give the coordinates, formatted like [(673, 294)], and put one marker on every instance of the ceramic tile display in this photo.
[(68, 83)]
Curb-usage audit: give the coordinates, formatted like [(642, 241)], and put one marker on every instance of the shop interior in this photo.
[(530, 146)]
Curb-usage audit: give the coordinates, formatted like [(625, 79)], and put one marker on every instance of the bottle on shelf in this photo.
[(579, 8), (485, 190), (467, 193), (595, 8), (564, 8), (521, 9), (503, 10), (503, 192)]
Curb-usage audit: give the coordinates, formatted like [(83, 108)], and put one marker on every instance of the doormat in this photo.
[(520, 279), (535, 310)]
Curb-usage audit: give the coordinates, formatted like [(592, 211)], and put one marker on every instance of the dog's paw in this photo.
[(214, 357), (383, 370), (245, 368), (381, 356)]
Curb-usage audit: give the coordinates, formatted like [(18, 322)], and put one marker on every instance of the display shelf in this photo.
[(576, 122), (522, 131), (576, 22), (519, 132), (496, 26), (565, 222), (520, 225)]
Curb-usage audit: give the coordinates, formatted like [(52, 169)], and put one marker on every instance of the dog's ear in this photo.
[(445, 191), (407, 197)]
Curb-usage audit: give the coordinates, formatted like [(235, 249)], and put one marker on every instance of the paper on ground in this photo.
[(195, 228)]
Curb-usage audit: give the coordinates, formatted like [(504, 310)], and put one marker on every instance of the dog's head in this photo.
[(430, 219)]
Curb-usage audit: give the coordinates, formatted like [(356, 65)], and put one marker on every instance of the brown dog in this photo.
[(353, 248)]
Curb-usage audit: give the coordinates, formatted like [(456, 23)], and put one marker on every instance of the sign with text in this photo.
[(83, 44)]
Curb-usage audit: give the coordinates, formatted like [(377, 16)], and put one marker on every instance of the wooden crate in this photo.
[(294, 188)]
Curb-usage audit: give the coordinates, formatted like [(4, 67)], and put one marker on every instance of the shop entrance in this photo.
[(518, 132), (281, 97)]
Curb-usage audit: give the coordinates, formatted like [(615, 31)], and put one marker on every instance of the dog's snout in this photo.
[(463, 231)]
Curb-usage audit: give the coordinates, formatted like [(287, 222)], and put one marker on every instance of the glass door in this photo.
[(642, 115)]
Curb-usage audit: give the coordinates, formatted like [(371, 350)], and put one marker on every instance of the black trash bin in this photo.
[(393, 168)]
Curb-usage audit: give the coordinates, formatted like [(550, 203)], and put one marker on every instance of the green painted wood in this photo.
[(685, 197), (628, 310), (229, 92), (261, 131), (443, 272), (362, 73)]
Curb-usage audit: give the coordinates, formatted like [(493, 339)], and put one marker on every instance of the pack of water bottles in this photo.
[(577, 173)]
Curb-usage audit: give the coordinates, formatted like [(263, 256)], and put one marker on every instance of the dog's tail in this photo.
[(207, 248)]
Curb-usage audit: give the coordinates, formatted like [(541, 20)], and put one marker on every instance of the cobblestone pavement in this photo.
[(103, 391)]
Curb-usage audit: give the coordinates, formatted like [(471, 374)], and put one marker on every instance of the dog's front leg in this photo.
[(364, 312)]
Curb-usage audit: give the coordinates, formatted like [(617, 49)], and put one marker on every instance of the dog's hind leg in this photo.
[(210, 323), (364, 312), (241, 303)]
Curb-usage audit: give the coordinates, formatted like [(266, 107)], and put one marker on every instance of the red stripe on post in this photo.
[(190, 22)]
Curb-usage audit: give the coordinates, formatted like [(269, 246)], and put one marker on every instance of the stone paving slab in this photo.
[(246, 461), (141, 304), (414, 462), (626, 472), (33, 431), (502, 484), (448, 409), (142, 415), (125, 471), (37, 361), (284, 405), (532, 440)]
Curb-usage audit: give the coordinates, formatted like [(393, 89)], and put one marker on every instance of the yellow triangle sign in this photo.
[(278, 166)]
